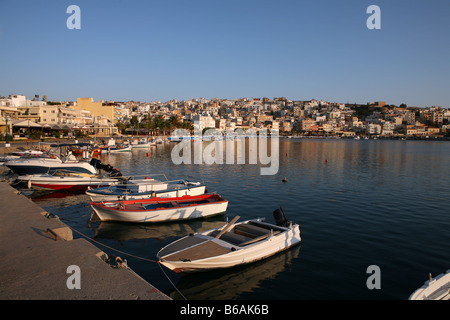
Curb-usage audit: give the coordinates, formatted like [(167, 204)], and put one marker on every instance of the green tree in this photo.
[(134, 121)]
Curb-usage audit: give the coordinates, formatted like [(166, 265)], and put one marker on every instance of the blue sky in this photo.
[(162, 50)]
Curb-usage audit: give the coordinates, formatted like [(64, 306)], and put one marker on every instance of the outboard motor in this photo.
[(106, 167), (279, 217)]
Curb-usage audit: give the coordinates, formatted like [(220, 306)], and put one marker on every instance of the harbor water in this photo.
[(359, 203)]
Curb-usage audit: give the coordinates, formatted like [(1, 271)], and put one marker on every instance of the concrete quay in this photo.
[(36, 251)]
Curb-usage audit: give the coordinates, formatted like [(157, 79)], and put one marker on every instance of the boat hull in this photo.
[(114, 213), (140, 146), (96, 196), (116, 149), (239, 256), (128, 149), (49, 182)]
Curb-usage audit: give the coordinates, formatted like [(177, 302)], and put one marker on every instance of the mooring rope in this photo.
[(111, 248), (130, 255), (171, 281)]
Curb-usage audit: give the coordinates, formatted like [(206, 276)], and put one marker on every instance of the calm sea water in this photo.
[(383, 203)]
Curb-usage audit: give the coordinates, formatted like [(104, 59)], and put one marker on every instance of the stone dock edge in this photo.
[(37, 252)]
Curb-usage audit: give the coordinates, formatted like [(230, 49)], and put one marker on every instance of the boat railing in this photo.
[(185, 182), (126, 182), (151, 176), (144, 176), (125, 179)]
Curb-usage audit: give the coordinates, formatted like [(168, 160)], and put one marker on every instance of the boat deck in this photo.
[(247, 233), (205, 249)]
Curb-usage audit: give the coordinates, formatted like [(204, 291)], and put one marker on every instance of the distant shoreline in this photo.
[(33, 144)]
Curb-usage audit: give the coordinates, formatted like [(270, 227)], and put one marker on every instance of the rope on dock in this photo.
[(130, 255), (122, 252)]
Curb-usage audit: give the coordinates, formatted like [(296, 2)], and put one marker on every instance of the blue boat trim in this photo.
[(123, 190)]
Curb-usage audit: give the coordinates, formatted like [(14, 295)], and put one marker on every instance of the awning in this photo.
[(26, 124)]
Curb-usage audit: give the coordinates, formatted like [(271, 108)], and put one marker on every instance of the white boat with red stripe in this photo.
[(161, 209)]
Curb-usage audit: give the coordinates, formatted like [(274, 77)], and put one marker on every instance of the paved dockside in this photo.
[(36, 251)]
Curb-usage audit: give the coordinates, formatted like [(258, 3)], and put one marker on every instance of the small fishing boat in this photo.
[(437, 288), (135, 189), (119, 148), (231, 245), (142, 143), (160, 209), (66, 180)]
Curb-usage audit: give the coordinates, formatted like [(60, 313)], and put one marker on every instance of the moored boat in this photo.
[(59, 157), (135, 189), (119, 148), (231, 245), (160, 209), (142, 143), (437, 288), (50, 163), (66, 180)]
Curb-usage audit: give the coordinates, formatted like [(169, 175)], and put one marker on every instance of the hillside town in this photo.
[(38, 118)]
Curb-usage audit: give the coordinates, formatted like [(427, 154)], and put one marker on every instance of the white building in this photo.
[(18, 101), (204, 121), (373, 128), (388, 128)]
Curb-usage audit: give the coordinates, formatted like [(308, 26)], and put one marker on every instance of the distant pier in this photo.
[(36, 251)]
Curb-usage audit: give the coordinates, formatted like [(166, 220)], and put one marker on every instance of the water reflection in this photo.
[(160, 231), (229, 284), (56, 196)]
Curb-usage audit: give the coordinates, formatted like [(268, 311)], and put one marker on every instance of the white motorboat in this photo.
[(135, 189), (232, 245), (49, 163), (160, 209), (59, 157), (437, 288), (66, 180)]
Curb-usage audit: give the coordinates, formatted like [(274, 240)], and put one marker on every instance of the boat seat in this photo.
[(251, 231), (231, 237), (234, 238), (158, 205)]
